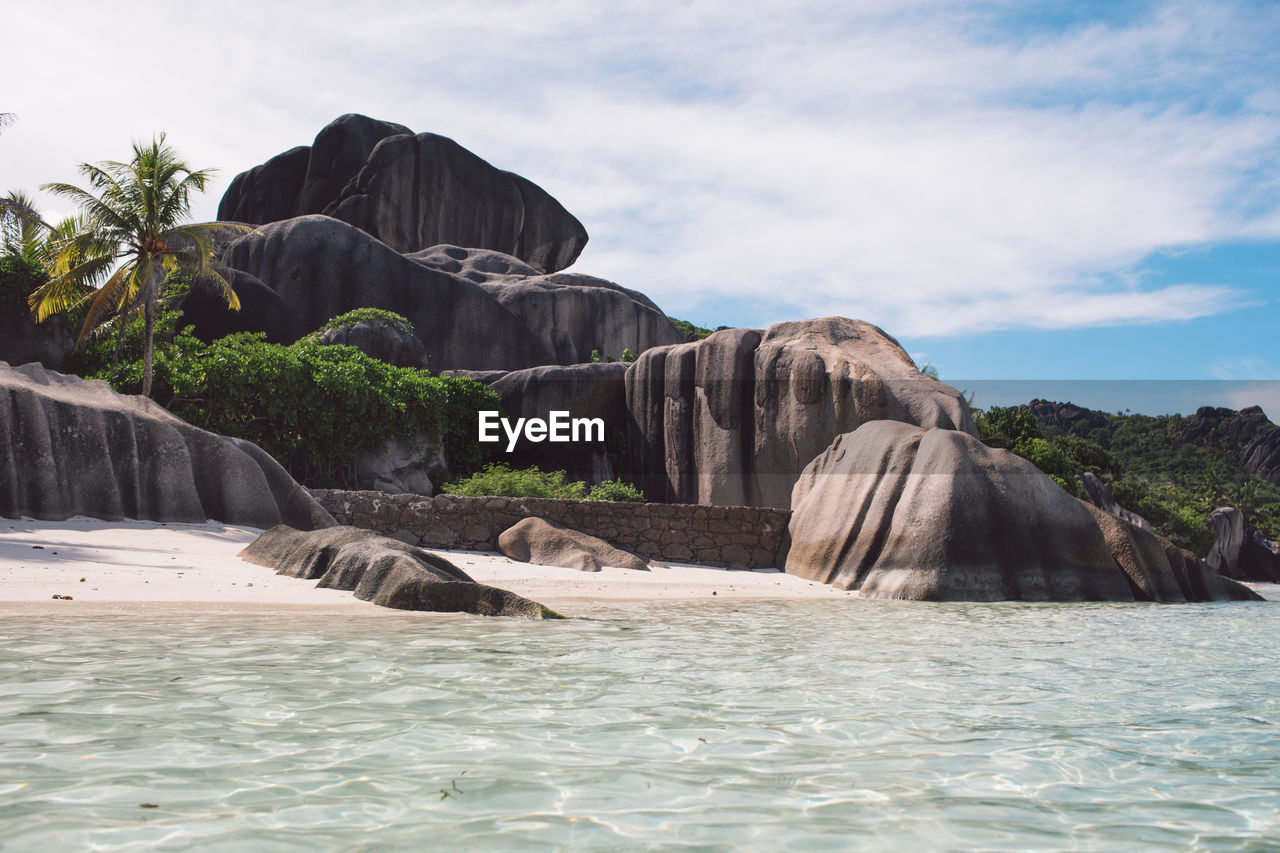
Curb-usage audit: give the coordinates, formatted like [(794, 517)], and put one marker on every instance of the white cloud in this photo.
[(919, 165)]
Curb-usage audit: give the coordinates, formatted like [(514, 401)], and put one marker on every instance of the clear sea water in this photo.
[(800, 726)]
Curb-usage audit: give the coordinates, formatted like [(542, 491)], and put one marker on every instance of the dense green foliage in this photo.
[(501, 480), (692, 332), (1174, 486), (312, 407), (372, 316), (19, 276), (616, 491)]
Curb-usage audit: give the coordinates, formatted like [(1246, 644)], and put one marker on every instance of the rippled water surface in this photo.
[(818, 726)]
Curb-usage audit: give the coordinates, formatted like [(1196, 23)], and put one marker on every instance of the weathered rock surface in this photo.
[(319, 268), (409, 191), (898, 511), (23, 340), (1239, 550), (734, 419), (384, 571), (576, 314), (1100, 496), (75, 447), (404, 466), (545, 543), (582, 390)]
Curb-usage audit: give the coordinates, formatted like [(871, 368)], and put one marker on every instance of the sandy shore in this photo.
[(147, 566)]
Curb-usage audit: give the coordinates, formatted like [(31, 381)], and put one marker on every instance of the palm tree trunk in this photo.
[(149, 323)]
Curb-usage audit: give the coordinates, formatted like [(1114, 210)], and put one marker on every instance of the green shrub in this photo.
[(689, 330), (501, 480), (312, 407), (616, 490), (372, 316)]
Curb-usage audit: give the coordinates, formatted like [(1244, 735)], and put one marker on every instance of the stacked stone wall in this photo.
[(732, 536)]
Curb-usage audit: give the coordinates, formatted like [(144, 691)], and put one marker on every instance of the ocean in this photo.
[(729, 726)]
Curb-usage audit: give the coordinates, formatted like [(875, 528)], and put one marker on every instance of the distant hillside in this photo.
[(1176, 470)]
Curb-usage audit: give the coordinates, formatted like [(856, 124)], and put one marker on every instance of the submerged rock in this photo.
[(545, 543), (410, 191), (384, 571), (76, 447), (898, 511), (732, 420)]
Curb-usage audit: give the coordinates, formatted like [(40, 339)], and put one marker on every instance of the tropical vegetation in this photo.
[(501, 480), (131, 237)]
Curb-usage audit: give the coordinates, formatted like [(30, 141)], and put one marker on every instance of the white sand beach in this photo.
[(109, 566)]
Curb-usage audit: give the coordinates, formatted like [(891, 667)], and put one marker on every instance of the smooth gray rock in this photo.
[(582, 390), (75, 447), (385, 571), (734, 419), (545, 543), (23, 340), (320, 268), (899, 511), (403, 466), (409, 191), (577, 314)]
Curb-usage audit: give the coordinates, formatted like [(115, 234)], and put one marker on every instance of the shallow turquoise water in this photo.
[(814, 726)]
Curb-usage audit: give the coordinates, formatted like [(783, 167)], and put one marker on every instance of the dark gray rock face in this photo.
[(384, 571), (545, 543), (23, 340), (732, 420), (583, 390), (1100, 496), (319, 268), (75, 447), (576, 313), (898, 511), (387, 342), (1239, 550), (261, 310), (409, 191)]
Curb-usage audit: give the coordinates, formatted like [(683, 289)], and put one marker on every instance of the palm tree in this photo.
[(132, 239)]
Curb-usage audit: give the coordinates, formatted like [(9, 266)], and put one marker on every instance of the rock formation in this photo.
[(583, 390), (545, 543), (409, 191), (733, 419), (1100, 496), (1248, 436), (23, 340), (899, 511), (470, 309), (384, 571), (1240, 550), (577, 314), (320, 268), (75, 447)]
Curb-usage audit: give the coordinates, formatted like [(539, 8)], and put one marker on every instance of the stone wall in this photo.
[(734, 536)]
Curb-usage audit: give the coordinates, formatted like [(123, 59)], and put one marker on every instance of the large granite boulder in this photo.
[(1251, 439), (584, 391), (734, 419), (409, 191), (1240, 550), (899, 511), (23, 340), (1097, 493), (74, 446), (319, 268), (384, 571), (545, 543), (577, 314)]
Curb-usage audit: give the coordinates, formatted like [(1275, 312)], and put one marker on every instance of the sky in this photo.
[(1028, 195)]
